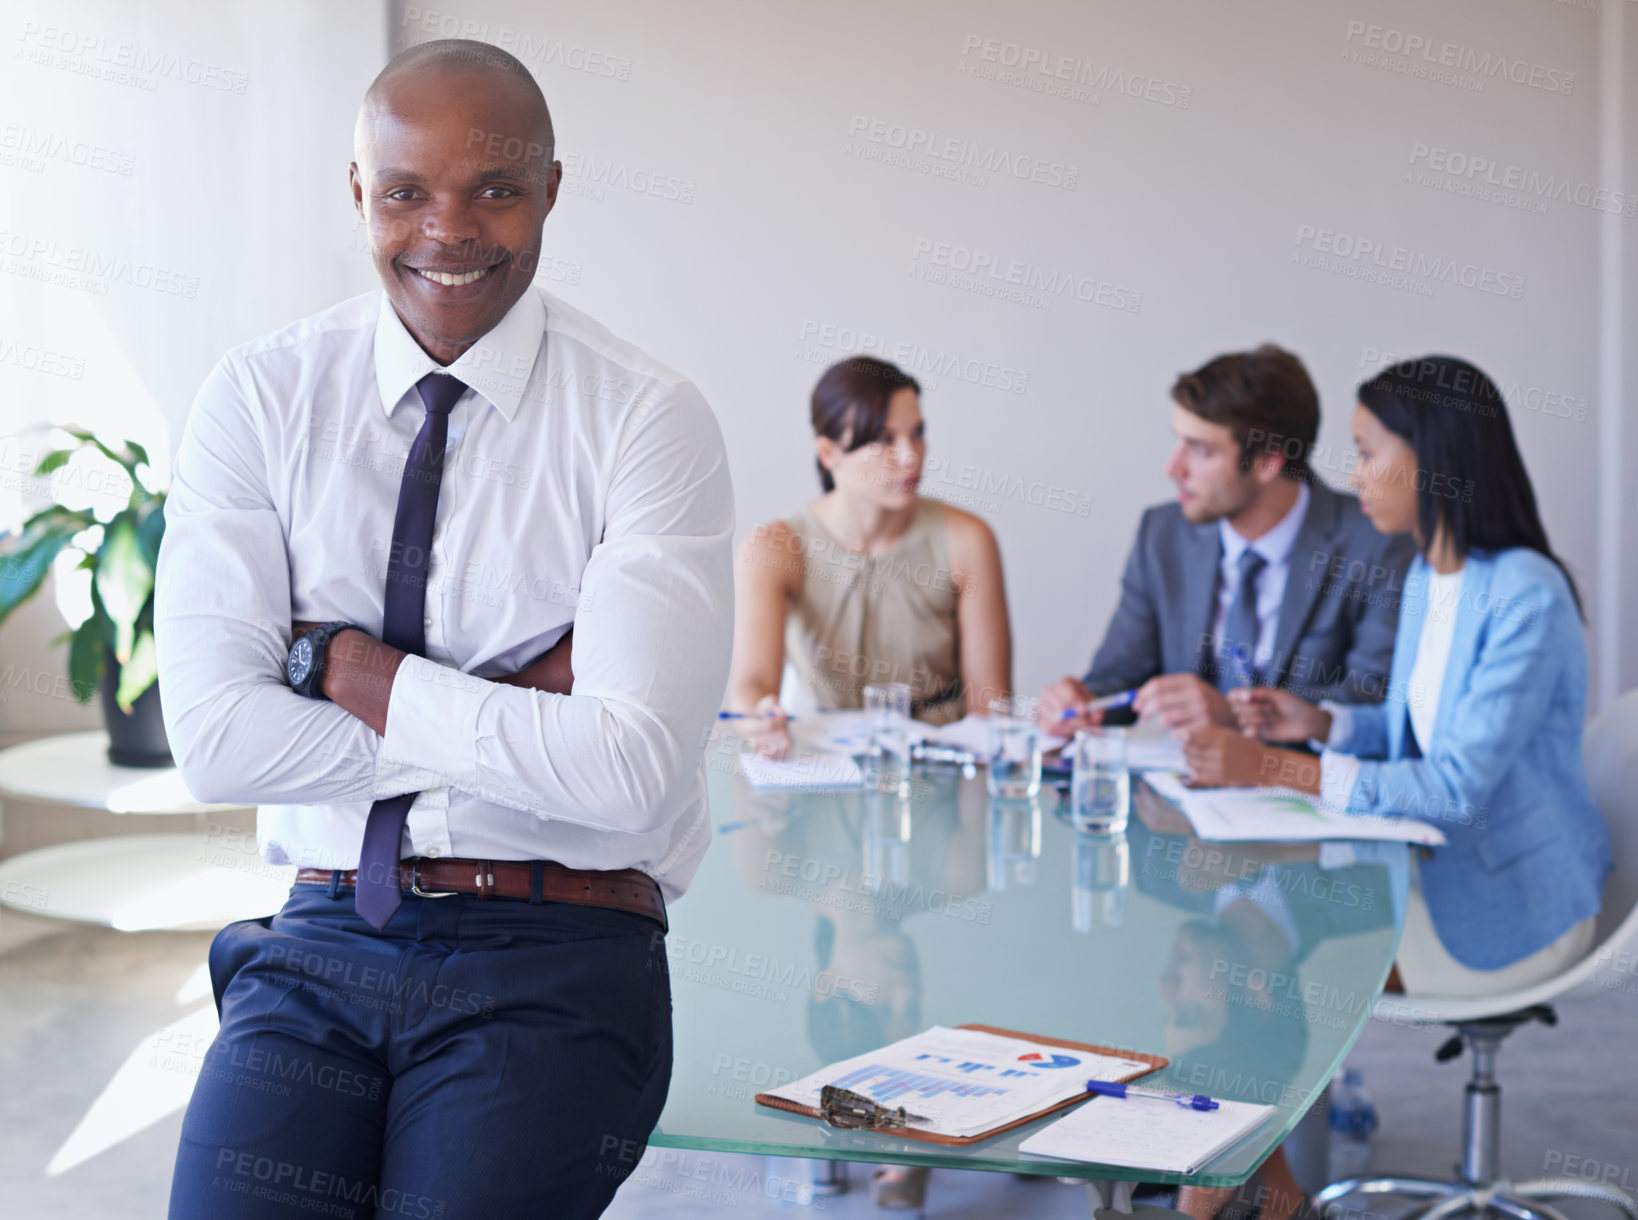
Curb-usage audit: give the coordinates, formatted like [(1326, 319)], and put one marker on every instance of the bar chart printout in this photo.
[(965, 1081)]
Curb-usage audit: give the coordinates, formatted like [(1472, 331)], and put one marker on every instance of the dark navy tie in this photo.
[(1242, 629), (377, 896)]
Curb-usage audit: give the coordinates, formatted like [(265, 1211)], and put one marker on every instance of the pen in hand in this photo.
[(1123, 698)]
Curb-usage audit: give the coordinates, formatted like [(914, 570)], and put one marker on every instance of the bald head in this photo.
[(448, 64), (454, 175)]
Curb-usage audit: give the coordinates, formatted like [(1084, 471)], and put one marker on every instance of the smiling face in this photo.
[(454, 178), (886, 471)]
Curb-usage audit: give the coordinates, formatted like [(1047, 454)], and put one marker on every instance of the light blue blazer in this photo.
[(1527, 851)]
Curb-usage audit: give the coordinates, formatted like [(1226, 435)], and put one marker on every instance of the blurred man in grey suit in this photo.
[(1258, 573)]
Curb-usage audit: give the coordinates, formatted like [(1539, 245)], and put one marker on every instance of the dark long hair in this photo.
[(850, 403), (1453, 416)]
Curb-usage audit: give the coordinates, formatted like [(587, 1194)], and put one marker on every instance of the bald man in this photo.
[(386, 521)]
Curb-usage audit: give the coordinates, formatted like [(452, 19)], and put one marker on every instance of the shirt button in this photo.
[(435, 851), (427, 622)]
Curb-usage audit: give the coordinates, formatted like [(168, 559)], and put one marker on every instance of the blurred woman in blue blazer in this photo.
[(1480, 733)]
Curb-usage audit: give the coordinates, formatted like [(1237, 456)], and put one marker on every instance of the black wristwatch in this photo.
[(304, 667)]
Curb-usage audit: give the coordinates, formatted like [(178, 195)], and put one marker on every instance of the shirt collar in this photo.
[(1274, 546), (497, 366)]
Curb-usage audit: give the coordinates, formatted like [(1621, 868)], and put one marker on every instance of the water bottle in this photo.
[(1352, 1123)]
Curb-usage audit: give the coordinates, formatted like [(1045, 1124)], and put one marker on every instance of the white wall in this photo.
[(1201, 208), (178, 174), (770, 237)]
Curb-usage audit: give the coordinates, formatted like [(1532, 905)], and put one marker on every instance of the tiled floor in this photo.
[(78, 1003)]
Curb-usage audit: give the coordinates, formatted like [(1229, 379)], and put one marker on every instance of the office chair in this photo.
[(1482, 1022)]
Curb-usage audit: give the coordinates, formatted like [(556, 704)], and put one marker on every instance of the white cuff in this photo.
[(1337, 775), (432, 725), (1342, 726)]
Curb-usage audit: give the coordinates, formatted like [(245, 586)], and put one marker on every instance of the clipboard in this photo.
[(1155, 1062)]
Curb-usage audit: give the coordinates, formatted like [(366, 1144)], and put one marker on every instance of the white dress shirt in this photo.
[(584, 485), (1275, 547), (1423, 688)]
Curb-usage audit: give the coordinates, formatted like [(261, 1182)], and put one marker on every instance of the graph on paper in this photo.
[(963, 1081)]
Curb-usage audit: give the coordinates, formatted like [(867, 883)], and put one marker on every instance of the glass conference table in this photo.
[(824, 924)]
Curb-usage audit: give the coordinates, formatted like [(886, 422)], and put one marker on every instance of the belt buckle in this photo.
[(415, 883)]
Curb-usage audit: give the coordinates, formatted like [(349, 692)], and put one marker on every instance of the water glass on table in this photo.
[(1100, 790), (1014, 758), (887, 712)]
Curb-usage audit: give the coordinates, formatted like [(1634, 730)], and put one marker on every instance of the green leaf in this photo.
[(25, 562), (151, 529), (82, 434), (88, 654), (139, 453), (53, 461), (124, 579), (139, 673)]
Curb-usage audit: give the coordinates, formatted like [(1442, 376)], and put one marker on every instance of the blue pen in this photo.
[(1189, 1101), (748, 716), (1122, 699), (1242, 662)]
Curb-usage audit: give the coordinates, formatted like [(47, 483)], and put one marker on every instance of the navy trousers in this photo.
[(475, 1059)]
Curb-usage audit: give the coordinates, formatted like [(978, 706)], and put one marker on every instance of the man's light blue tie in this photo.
[(377, 895)]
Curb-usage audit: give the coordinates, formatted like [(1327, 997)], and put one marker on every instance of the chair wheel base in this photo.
[(1515, 1200)]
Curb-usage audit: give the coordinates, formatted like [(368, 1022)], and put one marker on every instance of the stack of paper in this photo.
[(965, 1082), (1147, 1134), (1279, 815)]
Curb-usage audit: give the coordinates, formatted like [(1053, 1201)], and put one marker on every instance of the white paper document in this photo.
[(845, 732), (963, 1081), (1154, 752), (804, 769), (972, 732), (1147, 1134), (1279, 815)]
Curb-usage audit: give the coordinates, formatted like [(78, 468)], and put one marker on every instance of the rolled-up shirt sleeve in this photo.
[(222, 620), (652, 635)]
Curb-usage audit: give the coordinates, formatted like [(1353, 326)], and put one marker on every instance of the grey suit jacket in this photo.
[(1334, 637)]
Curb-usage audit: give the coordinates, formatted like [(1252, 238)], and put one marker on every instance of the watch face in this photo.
[(300, 662)]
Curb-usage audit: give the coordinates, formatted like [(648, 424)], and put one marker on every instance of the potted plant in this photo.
[(113, 649)]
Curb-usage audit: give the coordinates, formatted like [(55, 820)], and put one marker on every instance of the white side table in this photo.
[(187, 880)]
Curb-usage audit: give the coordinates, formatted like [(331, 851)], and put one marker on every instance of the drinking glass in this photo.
[(1014, 758), (1100, 791), (887, 757)]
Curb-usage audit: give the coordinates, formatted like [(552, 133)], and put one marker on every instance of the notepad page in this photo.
[(1141, 1134)]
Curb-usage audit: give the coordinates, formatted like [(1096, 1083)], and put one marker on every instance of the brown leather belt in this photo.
[(626, 889)]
